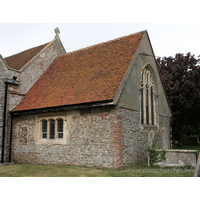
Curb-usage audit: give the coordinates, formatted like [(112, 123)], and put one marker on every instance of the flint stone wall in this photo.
[(136, 136), (93, 136), (27, 75), (3, 73), (109, 137), (1, 130)]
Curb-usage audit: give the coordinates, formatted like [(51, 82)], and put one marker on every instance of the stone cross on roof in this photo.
[(57, 31)]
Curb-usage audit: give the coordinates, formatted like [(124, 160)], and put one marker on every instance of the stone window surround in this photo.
[(56, 140), (147, 80)]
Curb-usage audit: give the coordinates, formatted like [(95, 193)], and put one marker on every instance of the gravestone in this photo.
[(197, 169), (151, 138), (150, 141), (165, 138)]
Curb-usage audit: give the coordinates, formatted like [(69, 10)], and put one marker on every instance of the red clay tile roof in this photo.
[(91, 74), (17, 61)]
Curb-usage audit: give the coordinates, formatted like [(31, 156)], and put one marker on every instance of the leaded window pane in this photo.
[(44, 129), (142, 109), (52, 129), (60, 125), (60, 128), (147, 105), (152, 107), (44, 135), (147, 97), (60, 135)]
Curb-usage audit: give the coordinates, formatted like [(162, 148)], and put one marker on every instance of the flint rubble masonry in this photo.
[(27, 75), (100, 137)]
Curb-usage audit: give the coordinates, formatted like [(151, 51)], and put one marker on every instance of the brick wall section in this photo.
[(117, 138)]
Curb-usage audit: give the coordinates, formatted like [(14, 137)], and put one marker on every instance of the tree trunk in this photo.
[(180, 141)]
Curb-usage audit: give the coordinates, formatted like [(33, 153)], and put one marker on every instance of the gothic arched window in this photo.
[(148, 114)]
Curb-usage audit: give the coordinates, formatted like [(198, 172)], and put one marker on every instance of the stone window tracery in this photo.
[(148, 103)]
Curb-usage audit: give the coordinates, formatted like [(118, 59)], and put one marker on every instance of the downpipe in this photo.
[(11, 125), (14, 82)]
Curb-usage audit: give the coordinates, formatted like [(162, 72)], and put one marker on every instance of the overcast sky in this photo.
[(167, 38), (173, 26)]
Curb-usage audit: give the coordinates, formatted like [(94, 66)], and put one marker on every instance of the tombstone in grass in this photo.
[(150, 142), (165, 138), (197, 169)]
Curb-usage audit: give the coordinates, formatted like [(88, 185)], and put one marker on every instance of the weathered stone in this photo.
[(151, 138), (178, 158), (27, 75), (197, 168)]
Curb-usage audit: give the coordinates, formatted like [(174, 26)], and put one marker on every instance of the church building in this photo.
[(94, 107)]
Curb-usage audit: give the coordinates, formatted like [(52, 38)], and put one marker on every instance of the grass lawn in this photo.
[(140, 170)]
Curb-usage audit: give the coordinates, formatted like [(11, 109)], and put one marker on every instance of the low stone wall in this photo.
[(178, 158)]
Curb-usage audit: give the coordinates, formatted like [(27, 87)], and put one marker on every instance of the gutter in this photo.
[(7, 81), (65, 107)]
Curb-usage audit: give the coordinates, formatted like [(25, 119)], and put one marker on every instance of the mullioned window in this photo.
[(52, 129), (148, 97)]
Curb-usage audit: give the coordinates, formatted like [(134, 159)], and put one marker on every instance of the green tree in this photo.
[(181, 78)]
